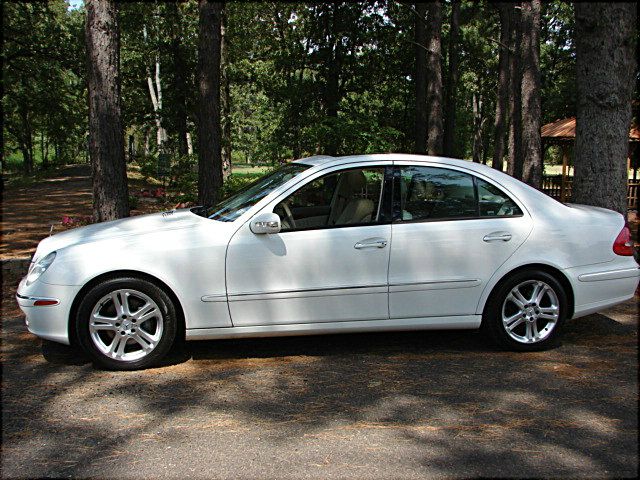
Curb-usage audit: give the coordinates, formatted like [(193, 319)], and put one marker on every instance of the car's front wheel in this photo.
[(526, 312), (126, 323)]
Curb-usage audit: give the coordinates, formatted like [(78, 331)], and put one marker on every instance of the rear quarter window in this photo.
[(494, 202)]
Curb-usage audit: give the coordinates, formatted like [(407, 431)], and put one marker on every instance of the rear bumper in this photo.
[(595, 290), (50, 322)]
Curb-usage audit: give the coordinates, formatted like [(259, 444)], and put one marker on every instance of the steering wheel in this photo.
[(288, 215)]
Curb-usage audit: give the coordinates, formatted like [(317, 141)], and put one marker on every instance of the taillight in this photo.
[(623, 244)]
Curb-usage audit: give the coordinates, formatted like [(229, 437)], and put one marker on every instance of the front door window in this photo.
[(348, 197)]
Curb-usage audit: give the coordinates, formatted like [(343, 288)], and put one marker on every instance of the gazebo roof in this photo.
[(565, 130)]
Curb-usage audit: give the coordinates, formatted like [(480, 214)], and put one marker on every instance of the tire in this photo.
[(126, 324), (517, 319)]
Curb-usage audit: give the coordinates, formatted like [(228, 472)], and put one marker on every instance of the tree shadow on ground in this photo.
[(408, 404)]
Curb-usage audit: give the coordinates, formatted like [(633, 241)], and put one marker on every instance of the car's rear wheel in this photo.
[(526, 312), (126, 323)]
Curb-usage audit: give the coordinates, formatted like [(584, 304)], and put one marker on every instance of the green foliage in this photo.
[(133, 202), (282, 60), (557, 61), (44, 96), (148, 166), (184, 176), (237, 181)]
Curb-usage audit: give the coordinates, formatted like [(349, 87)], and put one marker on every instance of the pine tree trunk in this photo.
[(155, 92), (531, 101), (26, 137), (606, 65), (209, 147), (27, 159), (485, 141), (502, 102), (452, 88), (514, 160), (43, 151), (106, 135), (45, 155), (180, 82), (225, 98), (476, 101), (147, 135), (189, 144), (332, 80), (434, 79), (421, 78)]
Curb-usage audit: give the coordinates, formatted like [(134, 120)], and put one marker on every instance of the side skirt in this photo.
[(460, 322)]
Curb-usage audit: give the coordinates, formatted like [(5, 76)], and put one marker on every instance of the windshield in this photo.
[(231, 208)]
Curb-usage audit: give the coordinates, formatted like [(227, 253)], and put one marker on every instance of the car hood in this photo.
[(138, 225)]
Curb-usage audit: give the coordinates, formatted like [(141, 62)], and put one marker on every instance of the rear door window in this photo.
[(434, 193), (431, 193)]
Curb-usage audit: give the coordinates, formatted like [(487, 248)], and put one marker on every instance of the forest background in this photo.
[(464, 79)]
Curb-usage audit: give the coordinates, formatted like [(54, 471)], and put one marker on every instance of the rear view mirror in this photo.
[(265, 223)]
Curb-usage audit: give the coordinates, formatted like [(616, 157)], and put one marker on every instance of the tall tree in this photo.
[(106, 136), (434, 79), (504, 10), (420, 31), (531, 101), (225, 97), (452, 82), (179, 68), (332, 23), (478, 126), (24, 133), (209, 146), (155, 90), (606, 66), (514, 161)]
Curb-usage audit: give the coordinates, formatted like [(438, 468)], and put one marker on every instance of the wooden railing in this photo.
[(632, 195), (552, 185)]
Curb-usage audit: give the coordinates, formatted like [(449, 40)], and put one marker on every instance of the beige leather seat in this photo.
[(346, 207)]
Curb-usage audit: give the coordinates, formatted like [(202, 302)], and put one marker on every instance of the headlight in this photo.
[(40, 267)]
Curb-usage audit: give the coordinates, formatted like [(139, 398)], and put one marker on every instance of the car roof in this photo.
[(315, 160), (328, 160)]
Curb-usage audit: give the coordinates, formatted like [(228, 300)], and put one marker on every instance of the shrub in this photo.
[(148, 165)]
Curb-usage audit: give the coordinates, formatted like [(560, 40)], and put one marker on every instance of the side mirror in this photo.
[(265, 223)]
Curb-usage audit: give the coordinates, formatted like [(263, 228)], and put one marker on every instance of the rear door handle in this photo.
[(371, 243), (497, 236)]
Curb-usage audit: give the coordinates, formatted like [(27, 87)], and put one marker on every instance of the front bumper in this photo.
[(24, 301), (50, 321)]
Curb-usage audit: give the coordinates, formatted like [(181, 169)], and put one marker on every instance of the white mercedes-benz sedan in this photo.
[(330, 245)]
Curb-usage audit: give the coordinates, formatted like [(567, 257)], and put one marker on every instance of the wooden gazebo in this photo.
[(563, 134)]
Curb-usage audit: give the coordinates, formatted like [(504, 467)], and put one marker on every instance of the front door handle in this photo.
[(371, 243), (497, 236)]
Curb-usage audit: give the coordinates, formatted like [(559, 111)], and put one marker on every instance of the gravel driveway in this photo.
[(401, 405)]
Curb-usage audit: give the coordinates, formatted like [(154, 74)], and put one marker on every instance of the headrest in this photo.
[(355, 179)]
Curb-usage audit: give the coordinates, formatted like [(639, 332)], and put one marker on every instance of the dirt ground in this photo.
[(400, 405), (29, 212)]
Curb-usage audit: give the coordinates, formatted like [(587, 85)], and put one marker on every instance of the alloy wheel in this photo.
[(126, 325), (530, 311)]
